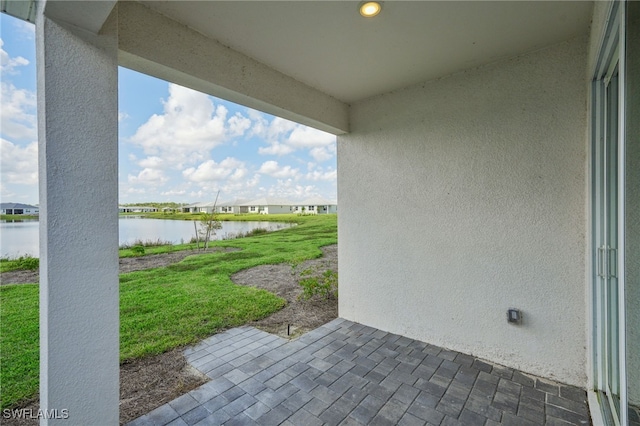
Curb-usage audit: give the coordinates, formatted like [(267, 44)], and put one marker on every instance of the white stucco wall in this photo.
[(77, 77), (489, 169)]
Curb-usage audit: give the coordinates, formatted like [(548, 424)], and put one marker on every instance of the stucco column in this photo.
[(78, 166)]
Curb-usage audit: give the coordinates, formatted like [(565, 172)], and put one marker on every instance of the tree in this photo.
[(209, 224)]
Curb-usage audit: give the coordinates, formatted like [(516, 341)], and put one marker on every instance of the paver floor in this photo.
[(344, 373)]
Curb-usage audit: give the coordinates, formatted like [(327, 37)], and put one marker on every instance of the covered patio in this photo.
[(505, 132), (345, 373)]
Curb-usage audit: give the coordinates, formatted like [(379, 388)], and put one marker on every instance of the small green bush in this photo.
[(138, 250), (325, 285), (257, 231), (20, 263), (147, 243)]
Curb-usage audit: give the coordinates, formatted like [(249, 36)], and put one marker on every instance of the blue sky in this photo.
[(175, 144)]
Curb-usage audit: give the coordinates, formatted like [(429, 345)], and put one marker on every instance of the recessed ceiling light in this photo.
[(370, 9)]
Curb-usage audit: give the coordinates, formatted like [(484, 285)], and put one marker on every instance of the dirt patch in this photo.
[(144, 385), (298, 316), (150, 382), (127, 264)]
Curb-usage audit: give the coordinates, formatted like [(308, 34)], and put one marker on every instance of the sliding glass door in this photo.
[(606, 248), (608, 303)]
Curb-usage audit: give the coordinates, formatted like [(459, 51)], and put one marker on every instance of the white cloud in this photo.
[(212, 171), (273, 169), (238, 125), (323, 153), (288, 189), (308, 137), (8, 64), (316, 175), (285, 137), (152, 162), (198, 194), (190, 126), (233, 189), (122, 116), (148, 177), (238, 175), (280, 126), (17, 112), (276, 148), (19, 164), (135, 191), (254, 181), (173, 192)]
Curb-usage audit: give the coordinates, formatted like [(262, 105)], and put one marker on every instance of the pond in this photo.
[(21, 237)]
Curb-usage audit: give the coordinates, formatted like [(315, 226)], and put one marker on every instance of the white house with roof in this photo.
[(507, 132), (230, 206), (315, 206), (18, 209), (265, 206), (137, 209), (202, 207)]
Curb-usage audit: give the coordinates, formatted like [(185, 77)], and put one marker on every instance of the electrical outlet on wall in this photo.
[(514, 316)]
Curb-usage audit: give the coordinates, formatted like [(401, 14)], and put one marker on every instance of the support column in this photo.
[(78, 166)]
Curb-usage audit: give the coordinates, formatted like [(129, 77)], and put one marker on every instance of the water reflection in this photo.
[(20, 237)]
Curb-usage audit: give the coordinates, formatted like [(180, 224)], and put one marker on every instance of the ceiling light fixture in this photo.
[(370, 9)]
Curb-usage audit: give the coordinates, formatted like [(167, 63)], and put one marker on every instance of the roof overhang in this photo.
[(88, 15), (308, 61), (21, 9)]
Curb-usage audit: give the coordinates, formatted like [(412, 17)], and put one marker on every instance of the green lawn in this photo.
[(164, 308)]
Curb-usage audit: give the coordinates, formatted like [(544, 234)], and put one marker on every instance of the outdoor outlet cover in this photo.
[(514, 316)]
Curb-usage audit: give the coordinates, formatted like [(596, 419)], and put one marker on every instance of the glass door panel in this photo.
[(606, 245)]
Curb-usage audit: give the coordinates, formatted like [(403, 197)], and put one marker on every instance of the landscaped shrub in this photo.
[(24, 262), (138, 250), (256, 231), (147, 243), (324, 285)]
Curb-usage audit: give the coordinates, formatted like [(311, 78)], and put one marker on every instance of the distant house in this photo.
[(230, 206), (137, 209), (315, 206), (203, 207), (266, 206), (188, 209), (17, 208), (206, 207), (144, 209), (194, 208)]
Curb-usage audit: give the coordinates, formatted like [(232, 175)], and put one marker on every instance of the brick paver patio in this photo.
[(349, 374)]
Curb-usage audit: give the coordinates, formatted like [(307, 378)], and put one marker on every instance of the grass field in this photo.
[(164, 308)]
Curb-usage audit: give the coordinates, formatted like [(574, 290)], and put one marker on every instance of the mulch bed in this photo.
[(152, 381)]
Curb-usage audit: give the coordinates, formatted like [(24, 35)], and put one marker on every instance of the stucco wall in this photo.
[(482, 175)]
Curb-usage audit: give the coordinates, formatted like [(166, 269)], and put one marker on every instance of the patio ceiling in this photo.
[(308, 61), (328, 46)]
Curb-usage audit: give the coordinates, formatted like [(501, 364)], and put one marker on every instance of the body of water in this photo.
[(20, 238)]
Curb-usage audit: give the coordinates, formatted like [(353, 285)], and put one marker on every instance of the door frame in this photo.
[(612, 50)]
